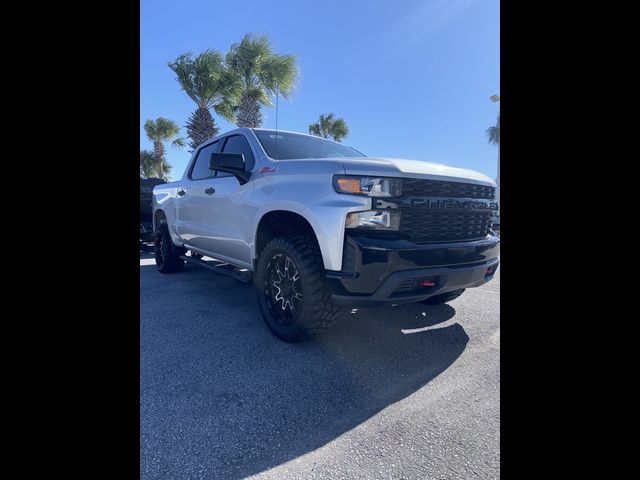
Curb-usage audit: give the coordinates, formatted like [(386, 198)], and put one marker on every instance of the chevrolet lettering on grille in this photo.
[(438, 203)]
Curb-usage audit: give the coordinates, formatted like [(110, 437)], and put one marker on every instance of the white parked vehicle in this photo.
[(316, 225)]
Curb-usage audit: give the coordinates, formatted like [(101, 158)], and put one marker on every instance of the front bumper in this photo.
[(393, 271)]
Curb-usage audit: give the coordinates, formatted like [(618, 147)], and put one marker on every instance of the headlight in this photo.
[(374, 219), (373, 187)]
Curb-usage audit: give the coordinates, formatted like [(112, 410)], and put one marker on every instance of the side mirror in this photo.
[(230, 163)]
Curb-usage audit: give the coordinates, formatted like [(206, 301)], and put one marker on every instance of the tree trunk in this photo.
[(248, 113), (200, 127), (158, 155)]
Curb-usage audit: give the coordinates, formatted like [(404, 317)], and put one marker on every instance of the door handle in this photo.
[(181, 192), (210, 191)]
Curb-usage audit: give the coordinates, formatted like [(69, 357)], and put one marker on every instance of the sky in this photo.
[(412, 78)]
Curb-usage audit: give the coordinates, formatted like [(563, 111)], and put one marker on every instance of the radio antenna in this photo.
[(277, 91)]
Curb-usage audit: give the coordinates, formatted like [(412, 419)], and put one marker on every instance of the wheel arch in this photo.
[(159, 217), (277, 223)]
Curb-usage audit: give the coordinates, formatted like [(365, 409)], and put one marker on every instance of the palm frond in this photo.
[(279, 72), (247, 56), (226, 109), (161, 129), (150, 167), (206, 79), (150, 129), (326, 120), (339, 130), (329, 126), (179, 142), (147, 164), (314, 129), (261, 72), (183, 68)]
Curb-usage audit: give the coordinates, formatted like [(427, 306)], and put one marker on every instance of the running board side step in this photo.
[(221, 268)]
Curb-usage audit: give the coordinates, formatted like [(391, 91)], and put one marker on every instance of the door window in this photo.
[(200, 168), (239, 144)]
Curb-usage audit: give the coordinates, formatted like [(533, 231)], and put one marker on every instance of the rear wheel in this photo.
[(444, 298), (166, 253), (292, 297)]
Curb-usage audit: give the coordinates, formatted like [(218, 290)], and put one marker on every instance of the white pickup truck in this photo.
[(317, 226)]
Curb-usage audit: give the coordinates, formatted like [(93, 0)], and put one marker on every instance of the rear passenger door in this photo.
[(226, 214)]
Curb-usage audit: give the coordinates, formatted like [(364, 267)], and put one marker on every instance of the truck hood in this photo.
[(397, 167)]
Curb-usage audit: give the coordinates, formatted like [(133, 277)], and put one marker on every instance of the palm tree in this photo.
[(262, 74), (147, 164), (150, 168), (159, 131), (493, 132), (206, 80), (329, 126), (164, 169)]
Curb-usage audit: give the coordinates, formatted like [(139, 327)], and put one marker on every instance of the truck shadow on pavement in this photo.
[(223, 398)]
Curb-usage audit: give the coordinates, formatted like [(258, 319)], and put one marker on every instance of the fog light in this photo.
[(374, 219), (427, 283)]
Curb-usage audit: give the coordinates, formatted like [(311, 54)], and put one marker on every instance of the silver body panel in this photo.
[(224, 224)]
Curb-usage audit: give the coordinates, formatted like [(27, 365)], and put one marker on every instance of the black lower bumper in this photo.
[(388, 271)]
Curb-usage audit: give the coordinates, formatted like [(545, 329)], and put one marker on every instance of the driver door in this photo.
[(226, 214), (192, 197)]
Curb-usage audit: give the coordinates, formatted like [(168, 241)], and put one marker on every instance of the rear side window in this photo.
[(200, 169), (239, 144)]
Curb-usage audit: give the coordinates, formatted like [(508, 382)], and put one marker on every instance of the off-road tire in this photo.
[(167, 255), (315, 313), (444, 298)]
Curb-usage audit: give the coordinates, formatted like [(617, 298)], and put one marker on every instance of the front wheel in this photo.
[(292, 297)]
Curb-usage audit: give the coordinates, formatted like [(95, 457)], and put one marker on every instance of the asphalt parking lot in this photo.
[(401, 392)]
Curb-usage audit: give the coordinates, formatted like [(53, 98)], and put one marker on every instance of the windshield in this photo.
[(295, 145)]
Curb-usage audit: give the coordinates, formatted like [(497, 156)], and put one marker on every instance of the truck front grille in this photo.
[(439, 188), (425, 226)]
